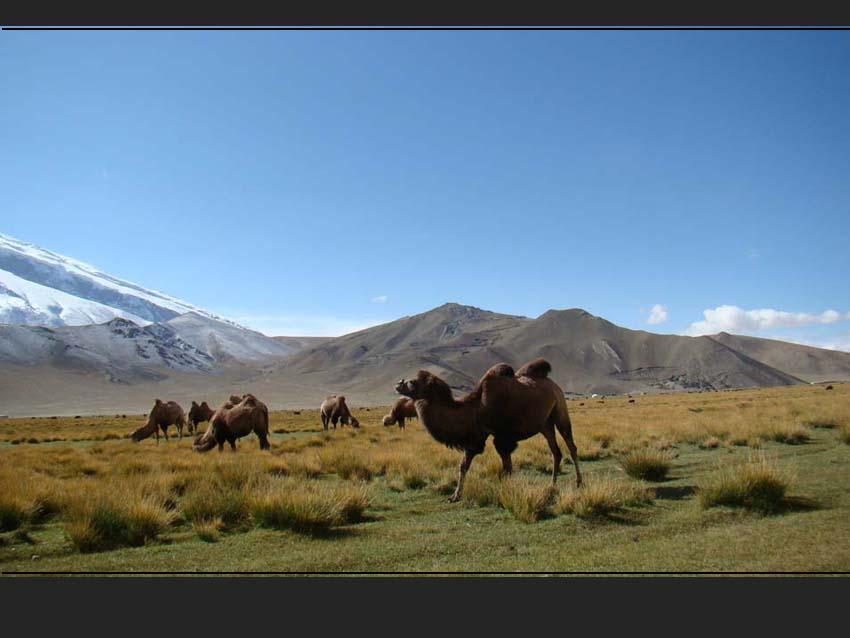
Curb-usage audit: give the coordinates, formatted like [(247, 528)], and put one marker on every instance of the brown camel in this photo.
[(510, 407), (198, 414), (161, 416), (402, 409), (233, 421), (335, 410)]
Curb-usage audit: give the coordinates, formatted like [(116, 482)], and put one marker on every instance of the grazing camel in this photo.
[(233, 421), (402, 409), (335, 410), (198, 414), (161, 416), (510, 407)]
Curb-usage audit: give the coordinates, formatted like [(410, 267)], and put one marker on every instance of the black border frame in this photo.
[(360, 17)]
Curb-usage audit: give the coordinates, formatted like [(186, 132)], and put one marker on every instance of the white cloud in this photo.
[(379, 299), (737, 320), (658, 314)]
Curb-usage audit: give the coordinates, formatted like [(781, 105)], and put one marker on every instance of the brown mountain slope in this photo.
[(806, 362), (588, 354)]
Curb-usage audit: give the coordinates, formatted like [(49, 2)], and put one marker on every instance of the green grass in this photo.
[(316, 520)]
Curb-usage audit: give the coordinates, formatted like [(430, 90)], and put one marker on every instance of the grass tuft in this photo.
[(603, 496), (527, 500), (101, 521), (209, 530), (647, 464), (756, 483), (307, 508)]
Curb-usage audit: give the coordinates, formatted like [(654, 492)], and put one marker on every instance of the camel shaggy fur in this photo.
[(198, 414), (161, 416), (335, 410), (232, 421), (403, 408), (509, 406)]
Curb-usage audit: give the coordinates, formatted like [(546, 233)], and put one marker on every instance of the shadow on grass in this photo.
[(793, 504), (676, 493), (617, 517)]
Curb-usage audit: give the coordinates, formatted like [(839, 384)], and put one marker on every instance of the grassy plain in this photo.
[(751, 480)]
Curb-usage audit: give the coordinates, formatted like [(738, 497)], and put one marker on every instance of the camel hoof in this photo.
[(454, 498)]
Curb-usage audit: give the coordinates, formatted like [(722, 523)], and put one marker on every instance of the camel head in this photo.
[(388, 420), (354, 422), (143, 432), (424, 386), (204, 442), (411, 388)]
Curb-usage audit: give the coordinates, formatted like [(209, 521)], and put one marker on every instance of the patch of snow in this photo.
[(26, 302)]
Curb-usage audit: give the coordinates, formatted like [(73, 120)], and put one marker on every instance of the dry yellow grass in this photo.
[(106, 491), (606, 494)]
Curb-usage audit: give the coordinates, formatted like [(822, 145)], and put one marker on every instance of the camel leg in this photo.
[(232, 442), (179, 431), (549, 433), (468, 455), (565, 427), (264, 441), (401, 423), (505, 448)]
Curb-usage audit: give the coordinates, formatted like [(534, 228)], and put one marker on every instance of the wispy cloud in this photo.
[(657, 314), (379, 299), (735, 319)]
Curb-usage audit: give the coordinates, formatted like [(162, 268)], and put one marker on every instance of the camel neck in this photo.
[(449, 422)]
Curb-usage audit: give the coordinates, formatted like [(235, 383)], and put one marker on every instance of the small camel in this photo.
[(335, 410), (232, 421), (161, 416), (403, 408), (199, 414)]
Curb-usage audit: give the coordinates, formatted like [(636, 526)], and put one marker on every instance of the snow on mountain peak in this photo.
[(40, 287)]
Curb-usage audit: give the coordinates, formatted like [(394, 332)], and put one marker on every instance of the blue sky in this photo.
[(318, 182)]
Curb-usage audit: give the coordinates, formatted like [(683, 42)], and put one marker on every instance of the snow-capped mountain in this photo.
[(121, 350), (42, 288), (97, 319), (224, 340)]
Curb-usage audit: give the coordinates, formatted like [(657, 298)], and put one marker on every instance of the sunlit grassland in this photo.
[(730, 481)]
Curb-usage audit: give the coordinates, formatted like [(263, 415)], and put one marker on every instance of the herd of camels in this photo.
[(508, 405)]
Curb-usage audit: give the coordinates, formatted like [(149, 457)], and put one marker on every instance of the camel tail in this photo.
[(537, 369)]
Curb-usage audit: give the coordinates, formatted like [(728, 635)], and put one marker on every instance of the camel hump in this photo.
[(158, 402), (537, 369), (500, 370)]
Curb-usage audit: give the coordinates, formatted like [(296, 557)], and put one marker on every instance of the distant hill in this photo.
[(588, 354), (122, 366)]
